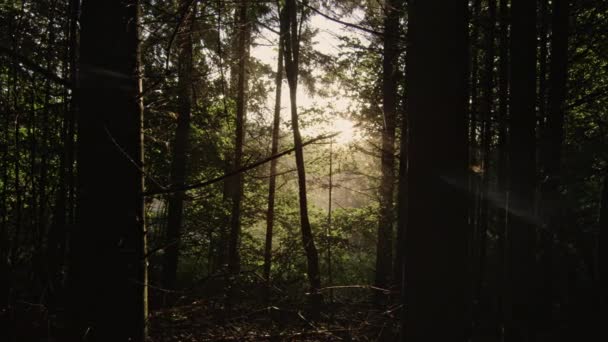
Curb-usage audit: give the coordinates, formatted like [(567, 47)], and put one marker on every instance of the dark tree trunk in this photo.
[(436, 238), (401, 209), (552, 151), (486, 106), (244, 32), (108, 277), (501, 167), (273, 166), (543, 16), (384, 247), (180, 144), (4, 205), (289, 27), (603, 243), (522, 172)]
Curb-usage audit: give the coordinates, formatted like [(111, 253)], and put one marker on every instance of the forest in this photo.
[(303, 170)]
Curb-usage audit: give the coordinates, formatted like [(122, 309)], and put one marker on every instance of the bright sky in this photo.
[(325, 42)]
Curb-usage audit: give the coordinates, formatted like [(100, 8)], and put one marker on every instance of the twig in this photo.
[(358, 27), (369, 287)]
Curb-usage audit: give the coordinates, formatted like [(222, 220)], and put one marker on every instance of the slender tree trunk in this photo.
[(273, 168), (501, 168), (180, 144), (552, 151), (384, 246), (486, 106), (474, 123), (4, 233), (289, 28), (330, 279), (522, 172), (543, 16), (436, 281), (244, 32), (108, 278), (402, 208), (603, 244)]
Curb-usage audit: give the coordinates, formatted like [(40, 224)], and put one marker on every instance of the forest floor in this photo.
[(206, 321)]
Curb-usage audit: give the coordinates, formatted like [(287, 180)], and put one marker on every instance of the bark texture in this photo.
[(108, 275)]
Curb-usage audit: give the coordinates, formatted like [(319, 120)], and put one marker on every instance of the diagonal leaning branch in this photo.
[(169, 190)]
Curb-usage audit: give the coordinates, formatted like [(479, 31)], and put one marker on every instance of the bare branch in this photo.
[(235, 172)]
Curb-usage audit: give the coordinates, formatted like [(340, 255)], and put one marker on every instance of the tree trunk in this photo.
[(603, 243), (501, 167), (436, 237), (273, 167), (244, 32), (180, 144), (552, 151), (522, 172), (108, 277), (289, 28), (384, 247), (486, 105)]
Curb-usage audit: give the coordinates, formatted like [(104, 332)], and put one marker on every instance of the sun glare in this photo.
[(347, 131)]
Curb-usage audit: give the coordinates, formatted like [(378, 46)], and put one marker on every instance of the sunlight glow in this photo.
[(348, 132)]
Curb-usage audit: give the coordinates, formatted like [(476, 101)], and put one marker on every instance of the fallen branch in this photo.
[(367, 287)]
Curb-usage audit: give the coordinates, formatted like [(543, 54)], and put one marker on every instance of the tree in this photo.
[(485, 106), (501, 172), (384, 249), (108, 277), (273, 164), (603, 242), (436, 236), (180, 144), (521, 171), (551, 149), (243, 38), (291, 34)]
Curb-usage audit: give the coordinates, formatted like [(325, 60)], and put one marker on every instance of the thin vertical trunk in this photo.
[(384, 246), (402, 208), (501, 167), (486, 106), (108, 277), (70, 149), (4, 235), (436, 236), (542, 61), (289, 27), (17, 186), (474, 119), (244, 32), (522, 172), (273, 166), (180, 144), (474, 123), (602, 245), (552, 151), (330, 279)]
